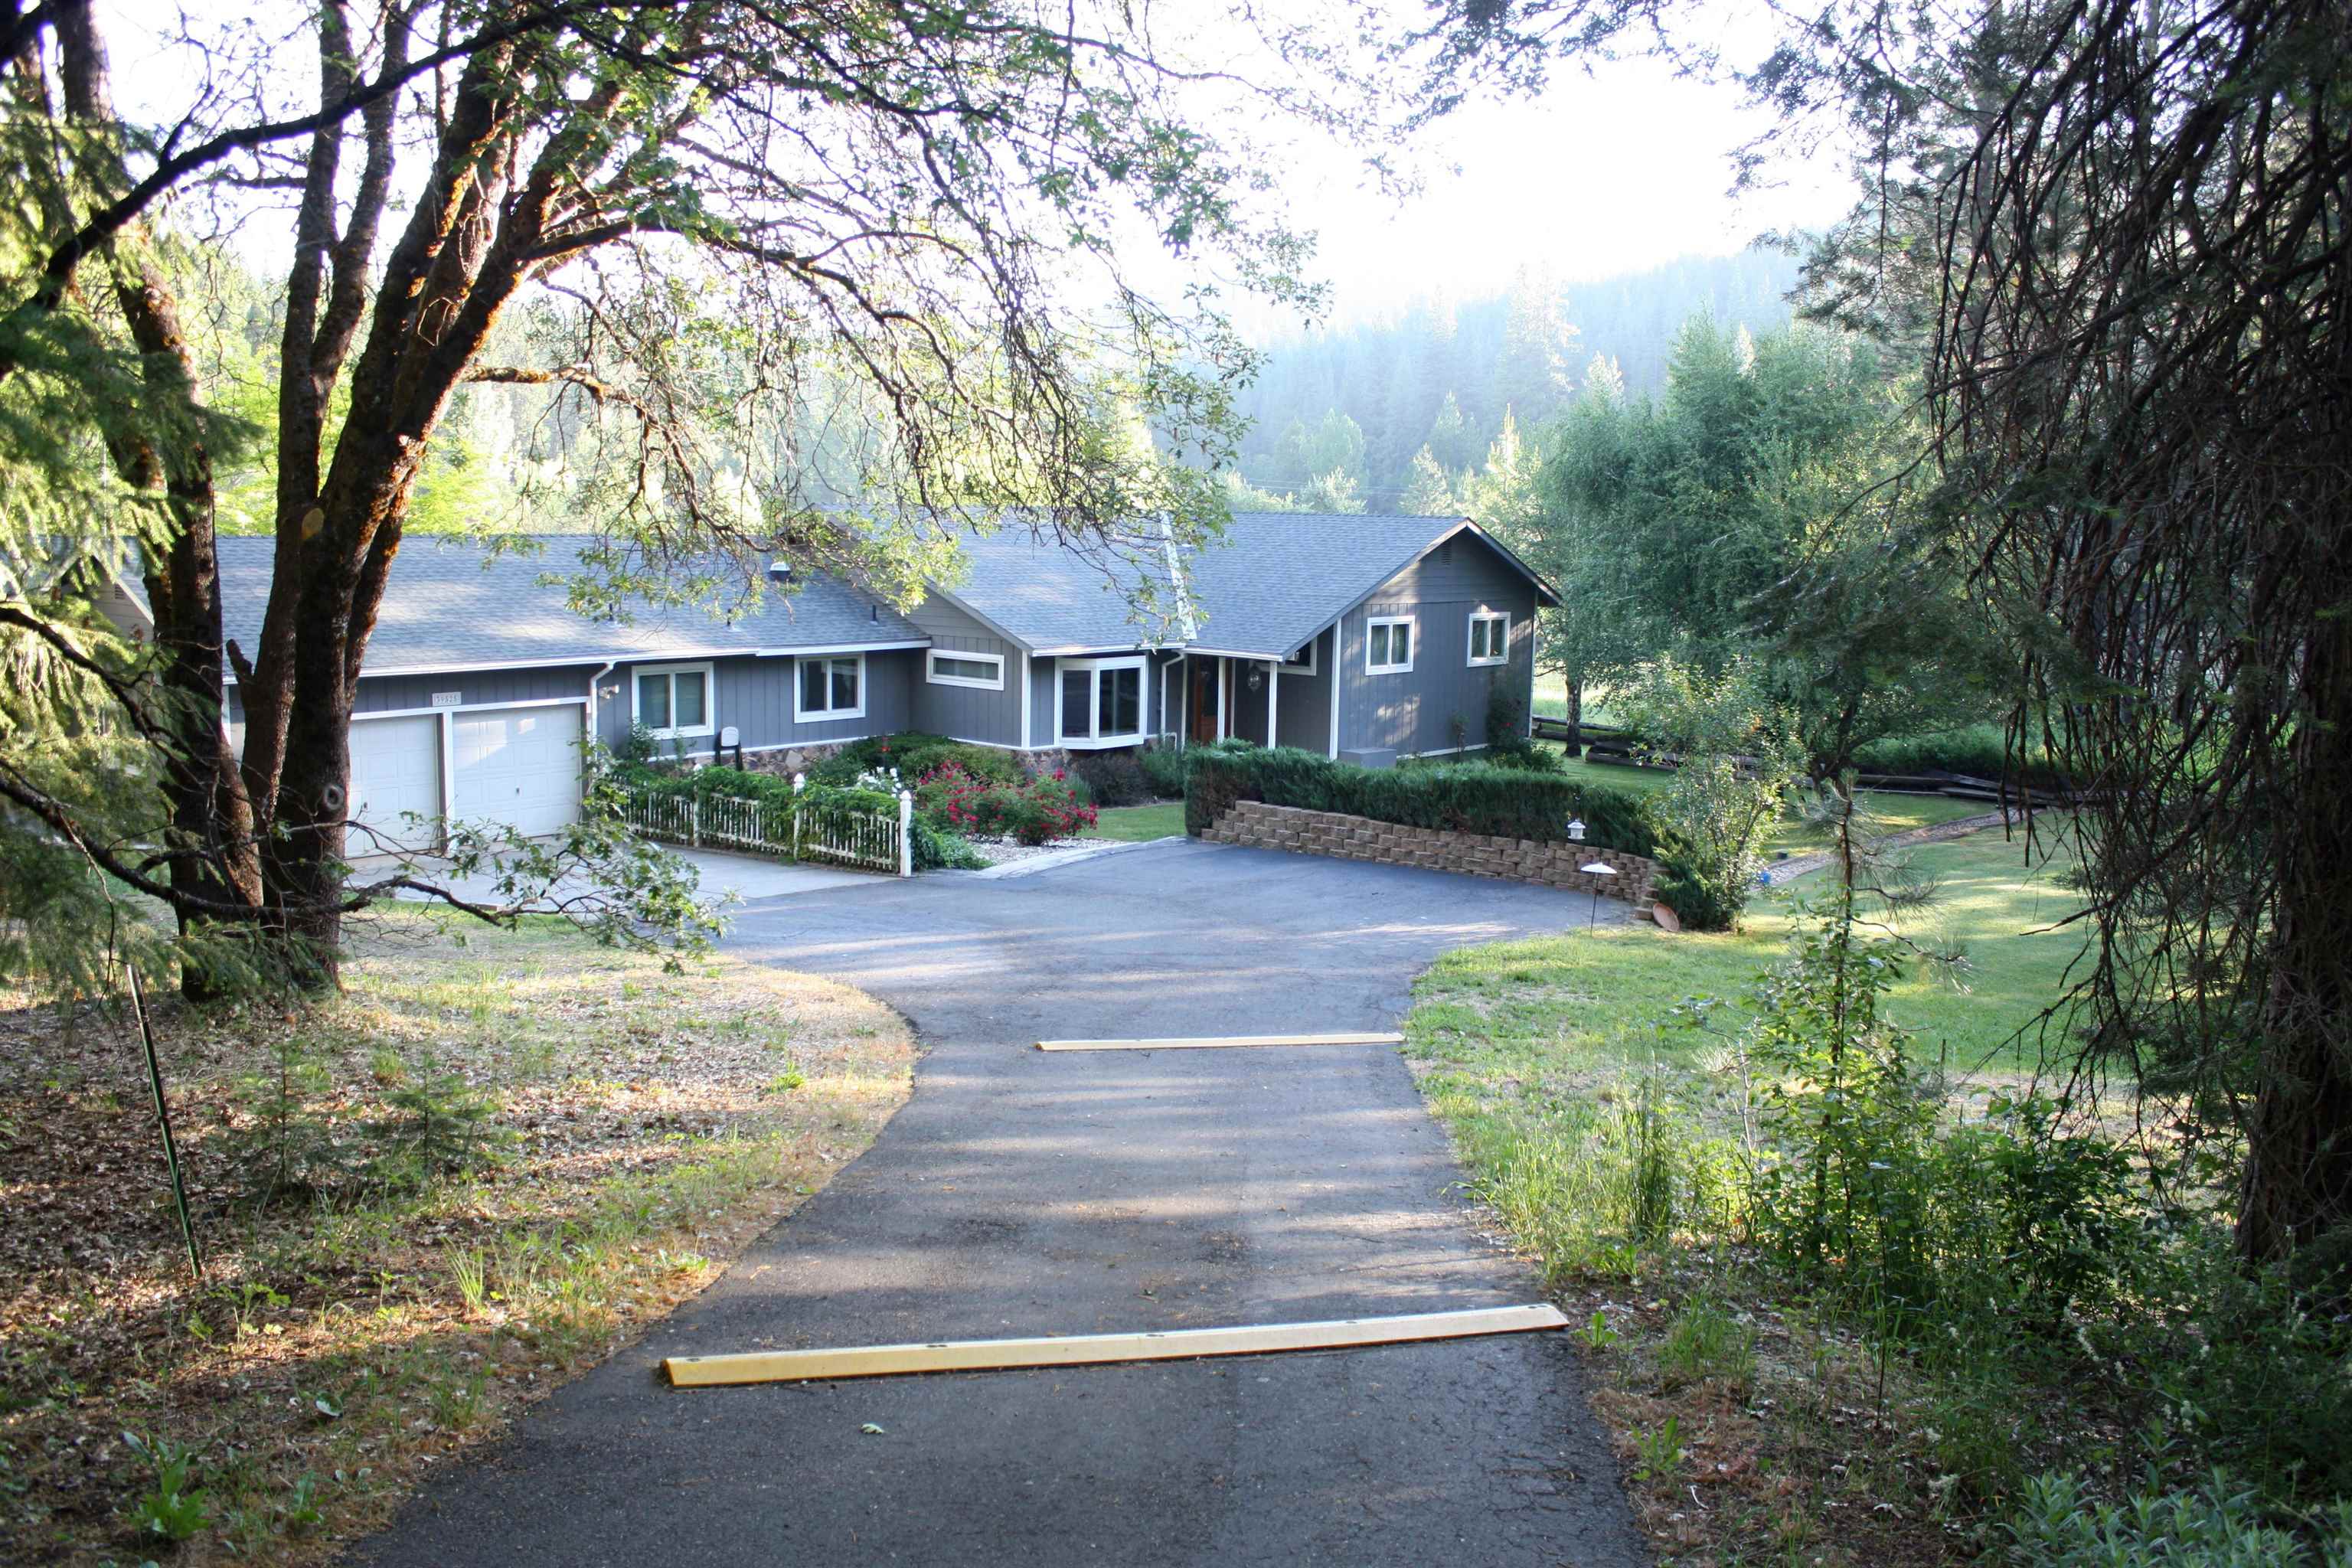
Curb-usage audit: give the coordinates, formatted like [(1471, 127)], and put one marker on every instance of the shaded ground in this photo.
[(1021, 1192), (636, 1125)]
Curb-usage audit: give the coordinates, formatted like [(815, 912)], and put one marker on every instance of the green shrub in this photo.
[(1475, 797), (1163, 770), (914, 753), (1979, 751), (1506, 736), (2058, 1524), (1699, 901), (1112, 778)]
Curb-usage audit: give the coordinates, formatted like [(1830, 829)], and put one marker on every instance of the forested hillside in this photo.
[(1362, 399)]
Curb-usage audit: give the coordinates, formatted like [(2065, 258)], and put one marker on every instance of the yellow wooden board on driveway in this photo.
[(1214, 1042), (1087, 1350)]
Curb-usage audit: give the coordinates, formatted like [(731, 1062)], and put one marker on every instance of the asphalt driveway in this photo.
[(1021, 1192)]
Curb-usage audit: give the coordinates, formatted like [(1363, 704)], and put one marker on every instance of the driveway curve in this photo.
[(1020, 1193)]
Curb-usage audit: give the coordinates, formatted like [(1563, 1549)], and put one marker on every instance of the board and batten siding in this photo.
[(1414, 712), (473, 688), (1306, 702), (754, 694), (965, 712)]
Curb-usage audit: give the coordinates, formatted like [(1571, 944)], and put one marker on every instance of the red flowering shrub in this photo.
[(1034, 811)]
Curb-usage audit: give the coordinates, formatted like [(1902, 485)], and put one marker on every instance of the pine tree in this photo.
[(1427, 491)]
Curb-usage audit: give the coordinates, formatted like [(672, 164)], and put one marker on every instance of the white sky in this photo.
[(1602, 176)]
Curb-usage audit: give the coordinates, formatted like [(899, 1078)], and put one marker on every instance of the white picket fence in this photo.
[(832, 835)]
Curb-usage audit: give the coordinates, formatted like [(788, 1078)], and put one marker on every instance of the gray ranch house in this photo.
[(1364, 637)]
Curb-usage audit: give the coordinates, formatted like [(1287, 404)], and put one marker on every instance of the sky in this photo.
[(1602, 176), (1605, 174)]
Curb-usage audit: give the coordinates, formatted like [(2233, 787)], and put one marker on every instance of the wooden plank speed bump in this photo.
[(1214, 1042), (1090, 1350)]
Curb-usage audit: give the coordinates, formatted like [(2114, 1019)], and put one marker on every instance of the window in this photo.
[(1388, 645), (1302, 658), (986, 670), (672, 699), (830, 689), (1490, 639), (1101, 701)]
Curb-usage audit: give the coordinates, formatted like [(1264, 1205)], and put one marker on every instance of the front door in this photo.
[(1204, 700)]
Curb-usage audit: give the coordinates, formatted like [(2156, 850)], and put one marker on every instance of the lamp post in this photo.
[(1597, 868)]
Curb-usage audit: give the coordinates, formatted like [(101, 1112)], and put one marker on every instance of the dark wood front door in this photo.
[(1205, 700)]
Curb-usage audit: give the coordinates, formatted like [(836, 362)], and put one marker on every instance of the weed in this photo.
[(783, 1082), (1705, 1342), (1659, 1454), (1597, 1334), (173, 1507), (469, 1273)]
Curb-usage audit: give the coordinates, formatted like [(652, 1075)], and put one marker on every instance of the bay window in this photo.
[(1101, 703)]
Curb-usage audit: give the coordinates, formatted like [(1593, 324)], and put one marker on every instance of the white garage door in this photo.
[(518, 767), (396, 769)]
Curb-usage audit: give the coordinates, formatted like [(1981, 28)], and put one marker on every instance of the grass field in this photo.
[(1137, 824), (1898, 813), (1585, 1006)]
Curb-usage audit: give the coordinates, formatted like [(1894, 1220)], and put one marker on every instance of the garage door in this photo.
[(395, 768), (518, 767)]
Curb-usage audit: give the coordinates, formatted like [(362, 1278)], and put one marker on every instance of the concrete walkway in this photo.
[(1023, 1193)]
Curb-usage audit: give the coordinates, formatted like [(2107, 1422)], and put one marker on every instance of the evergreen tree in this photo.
[(1427, 493), (1334, 492)]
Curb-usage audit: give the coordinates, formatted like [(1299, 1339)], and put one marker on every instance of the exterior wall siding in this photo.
[(1306, 702), (475, 689), (755, 695), (1414, 712), (968, 713)]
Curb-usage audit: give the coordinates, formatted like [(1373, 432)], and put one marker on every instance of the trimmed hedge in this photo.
[(1474, 798), (1979, 751)]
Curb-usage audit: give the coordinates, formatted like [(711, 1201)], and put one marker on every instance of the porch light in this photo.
[(1576, 830), (1256, 678)]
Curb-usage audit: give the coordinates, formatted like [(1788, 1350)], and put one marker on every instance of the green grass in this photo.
[(1898, 813), (1555, 1013), (1137, 824)]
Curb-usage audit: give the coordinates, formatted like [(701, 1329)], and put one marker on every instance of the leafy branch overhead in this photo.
[(834, 284)]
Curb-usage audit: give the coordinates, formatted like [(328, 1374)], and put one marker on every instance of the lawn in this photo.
[(396, 1300), (1587, 1005), (1897, 812), (1140, 823)]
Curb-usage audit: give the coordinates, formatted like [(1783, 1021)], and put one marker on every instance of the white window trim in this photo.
[(1093, 703), (709, 724), (802, 715), (1413, 643), (1308, 668), (1502, 657), (931, 669)]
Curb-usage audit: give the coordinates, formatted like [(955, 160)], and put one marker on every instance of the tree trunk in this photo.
[(2298, 1184), (1575, 716)]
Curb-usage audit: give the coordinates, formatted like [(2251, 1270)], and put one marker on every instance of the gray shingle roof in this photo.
[(450, 602), (1277, 578), (1063, 598), (1274, 580)]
